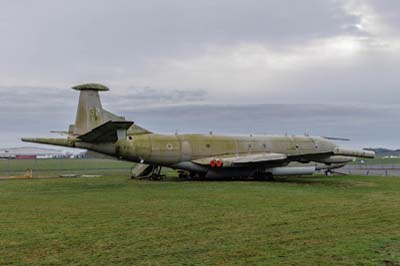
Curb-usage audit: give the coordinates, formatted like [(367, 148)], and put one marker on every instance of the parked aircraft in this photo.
[(196, 155)]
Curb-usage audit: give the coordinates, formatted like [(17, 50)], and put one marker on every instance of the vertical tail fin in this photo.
[(93, 124), (90, 113)]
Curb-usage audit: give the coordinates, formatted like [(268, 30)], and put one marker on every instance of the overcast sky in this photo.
[(327, 67)]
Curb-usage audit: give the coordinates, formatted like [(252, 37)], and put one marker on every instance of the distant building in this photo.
[(25, 157), (32, 153)]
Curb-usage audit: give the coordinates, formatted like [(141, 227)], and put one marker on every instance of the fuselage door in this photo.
[(186, 151)]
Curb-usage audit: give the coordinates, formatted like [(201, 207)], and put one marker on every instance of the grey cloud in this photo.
[(34, 109), (388, 10), (49, 110), (373, 80), (123, 42), (364, 125), (33, 98), (141, 97), (104, 38), (21, 105)]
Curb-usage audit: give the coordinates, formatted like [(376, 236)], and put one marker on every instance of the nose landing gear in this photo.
[(328, 172)]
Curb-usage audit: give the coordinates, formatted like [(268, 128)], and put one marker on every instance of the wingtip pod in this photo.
[(355, 153)]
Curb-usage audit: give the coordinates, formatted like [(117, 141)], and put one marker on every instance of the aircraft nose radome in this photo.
[(355, 153), (370, 154)]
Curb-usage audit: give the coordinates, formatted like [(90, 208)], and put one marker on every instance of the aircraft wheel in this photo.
[(184, 175), (328, 173), (197, 176)]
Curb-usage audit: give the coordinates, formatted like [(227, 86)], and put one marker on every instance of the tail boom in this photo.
[(52, 141)]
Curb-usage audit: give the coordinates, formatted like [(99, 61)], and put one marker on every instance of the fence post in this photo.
[(9, 166)]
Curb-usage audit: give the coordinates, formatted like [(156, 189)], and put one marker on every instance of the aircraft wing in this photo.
[(272, 159), (238, 160)]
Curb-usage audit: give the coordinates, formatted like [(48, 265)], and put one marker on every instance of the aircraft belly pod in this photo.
[(196, 155)]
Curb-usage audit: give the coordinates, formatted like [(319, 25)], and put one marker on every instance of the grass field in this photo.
[(55, 167), (116, 221)]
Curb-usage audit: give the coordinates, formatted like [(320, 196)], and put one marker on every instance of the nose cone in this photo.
[(355, 153), (369, 154)]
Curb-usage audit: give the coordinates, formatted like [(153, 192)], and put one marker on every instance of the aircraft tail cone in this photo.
[(51, 141)]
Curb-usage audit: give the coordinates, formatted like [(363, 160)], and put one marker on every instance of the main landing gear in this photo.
[(186, 175), (263, 177)]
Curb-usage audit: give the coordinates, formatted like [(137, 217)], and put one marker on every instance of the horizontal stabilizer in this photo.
[(107, 132)]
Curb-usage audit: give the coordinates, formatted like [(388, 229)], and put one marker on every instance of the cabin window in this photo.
[(208, 145)]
